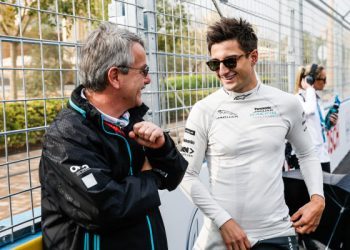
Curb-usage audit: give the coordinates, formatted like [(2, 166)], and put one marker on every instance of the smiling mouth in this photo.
[(229, 76)]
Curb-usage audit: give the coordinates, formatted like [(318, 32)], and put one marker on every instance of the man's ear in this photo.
[(113, 77), (254, 55)]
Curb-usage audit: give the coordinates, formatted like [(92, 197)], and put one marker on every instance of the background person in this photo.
[(240, 130), (101, 164), (310, 79)]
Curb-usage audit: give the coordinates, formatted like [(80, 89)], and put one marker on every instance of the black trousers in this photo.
[(278, 243)]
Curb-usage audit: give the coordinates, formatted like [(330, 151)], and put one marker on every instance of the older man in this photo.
[(101, 164)]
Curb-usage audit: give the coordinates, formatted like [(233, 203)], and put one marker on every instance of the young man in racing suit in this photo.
[(101, 164), (240, 131)]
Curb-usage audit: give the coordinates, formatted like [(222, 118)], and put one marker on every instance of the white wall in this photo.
[(339, 137)]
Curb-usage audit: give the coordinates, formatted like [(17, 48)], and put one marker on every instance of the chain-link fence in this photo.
[(39, 46)]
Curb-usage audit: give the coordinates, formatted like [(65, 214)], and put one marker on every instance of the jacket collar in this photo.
[(89, 112)]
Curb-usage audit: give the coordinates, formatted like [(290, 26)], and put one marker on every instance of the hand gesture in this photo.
[(308, 217), (333, 118), (234, 236), (147, 134)]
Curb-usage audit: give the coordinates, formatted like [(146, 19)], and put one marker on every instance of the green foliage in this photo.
[(188, 82), (15, 120), (182, 92), (188, 98), (173, 23)]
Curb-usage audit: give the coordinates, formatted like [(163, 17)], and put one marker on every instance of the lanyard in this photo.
[(321, 121)]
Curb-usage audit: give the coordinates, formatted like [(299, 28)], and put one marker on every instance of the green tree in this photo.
[(17, 21), (173, 22), (10, 17)]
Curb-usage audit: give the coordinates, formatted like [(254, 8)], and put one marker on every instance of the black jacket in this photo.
[(94, 195)]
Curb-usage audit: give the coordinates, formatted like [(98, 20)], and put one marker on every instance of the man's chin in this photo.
[(230, 86), (139, 103)]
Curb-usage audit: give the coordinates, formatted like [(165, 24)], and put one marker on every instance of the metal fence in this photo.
[(39, 46)]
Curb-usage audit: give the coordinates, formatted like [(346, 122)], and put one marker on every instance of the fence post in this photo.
[(151, 96)]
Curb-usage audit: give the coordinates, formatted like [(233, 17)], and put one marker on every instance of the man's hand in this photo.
[(308, 217), (146, 165), (234, 236), (147, 134), (333, 118)]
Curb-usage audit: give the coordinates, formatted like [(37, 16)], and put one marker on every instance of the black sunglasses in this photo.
[(229, 62), (322, 79), (143, 71)]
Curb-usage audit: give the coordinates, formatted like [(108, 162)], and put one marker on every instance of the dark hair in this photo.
[(233, 29)]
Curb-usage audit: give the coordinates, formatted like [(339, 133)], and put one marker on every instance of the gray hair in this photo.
[(105, 47)]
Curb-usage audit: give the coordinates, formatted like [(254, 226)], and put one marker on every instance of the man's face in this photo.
[(241, 78), (135, 81)]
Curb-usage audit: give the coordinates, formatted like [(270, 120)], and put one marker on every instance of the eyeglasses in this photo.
[(322, 79), (229, 62), (143, 71)]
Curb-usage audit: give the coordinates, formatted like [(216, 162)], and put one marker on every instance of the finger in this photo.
[(309, 230), (296, 216), (301, 229), (155, 135), (138, 125), (141, 131), (247, 243), (299, 223), (229, 247), (241, 246), (132, 135), (147, 133), (306, 229), (142, 142)]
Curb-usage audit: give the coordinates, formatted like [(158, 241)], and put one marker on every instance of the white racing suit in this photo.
[(241, 136)]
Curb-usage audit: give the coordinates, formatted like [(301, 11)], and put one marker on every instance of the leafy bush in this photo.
[(180, 102), (190, 82), (14, 115), (182, 93)]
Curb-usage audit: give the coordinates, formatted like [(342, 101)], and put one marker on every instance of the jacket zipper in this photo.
[(130, 172)]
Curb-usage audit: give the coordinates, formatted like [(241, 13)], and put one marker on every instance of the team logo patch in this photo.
[(225, 114), (242, 97), (187, 151), (89, 180), (79, 170), (190, 131), (188, 141), (263, 112)]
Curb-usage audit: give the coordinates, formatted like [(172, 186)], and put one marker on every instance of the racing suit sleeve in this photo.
[(193, 149), (167, 163), (78, 178), (303, 146), (308, 101)]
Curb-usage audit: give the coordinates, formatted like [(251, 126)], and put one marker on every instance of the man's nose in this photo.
[(223, 69), (147, 79)]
